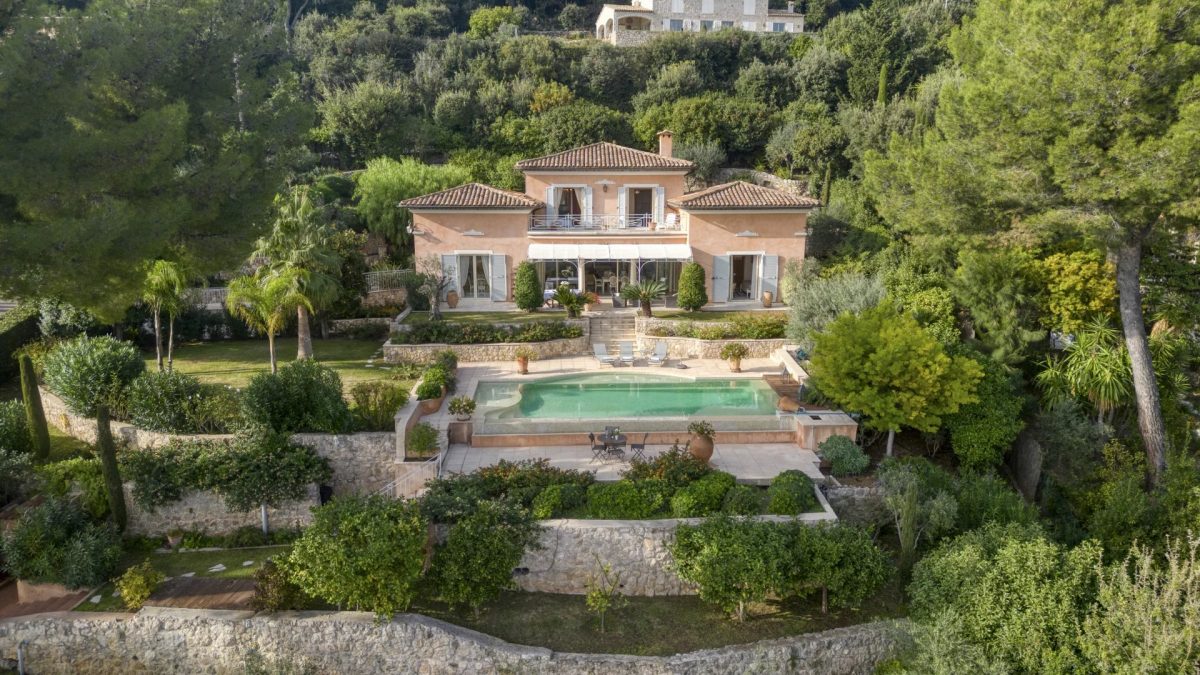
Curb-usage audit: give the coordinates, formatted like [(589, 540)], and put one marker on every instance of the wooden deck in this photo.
[(9, 607), (203, 593)]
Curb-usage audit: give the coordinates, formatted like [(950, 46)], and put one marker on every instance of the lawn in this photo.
[(234, 362), (175, 564), (658, 626), (490, 317)]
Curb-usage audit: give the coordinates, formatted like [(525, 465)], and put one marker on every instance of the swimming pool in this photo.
[(608, 396)]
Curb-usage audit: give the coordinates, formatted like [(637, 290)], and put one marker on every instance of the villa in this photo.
[(602, 216), (636, 23)]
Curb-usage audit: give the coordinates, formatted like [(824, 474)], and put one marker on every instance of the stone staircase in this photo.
[(609, 328)]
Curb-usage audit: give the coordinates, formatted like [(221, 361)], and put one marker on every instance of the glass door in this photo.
[(474, 276), (743, 277)]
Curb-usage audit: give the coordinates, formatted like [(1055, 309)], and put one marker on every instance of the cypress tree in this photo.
[(882, 97), (35, 416), (108, 466)]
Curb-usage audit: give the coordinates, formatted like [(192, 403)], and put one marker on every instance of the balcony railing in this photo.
[(601, 223)]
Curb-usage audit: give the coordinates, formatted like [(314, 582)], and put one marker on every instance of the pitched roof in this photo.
[(472, 196), (628, 8), (741, 195), (604, 156)]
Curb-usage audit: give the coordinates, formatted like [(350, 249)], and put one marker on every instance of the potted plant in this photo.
[(432, 390), (422, 442), (462, 407), (701, 444), (569, 300), (452, 299), (524, 356), (767, 298), (174, 537), (589, 300), (644, 294), (734, 352)]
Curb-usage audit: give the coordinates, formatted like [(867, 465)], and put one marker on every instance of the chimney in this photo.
[(665, 143), (791, 7)]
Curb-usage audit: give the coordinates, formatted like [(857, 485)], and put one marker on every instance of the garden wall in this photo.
[(860, 505), (497, 351), (163, 640), (341, 326), (206, 512), (695, 348), (638, 549)]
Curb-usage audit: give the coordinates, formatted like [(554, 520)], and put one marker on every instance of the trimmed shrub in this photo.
[(274, 590), (164, 401), (791, 493), (86, 372), (447, 359), (137, 584), (56, 543), (744, 500), (429, 391), (14, 431), (453, 333), (527, 292), (447, 500), (675, 466), (80, 473), (217, 410), (844, 456), (758, 325), (18, 327), (692, 295), (304, 396), (422, 441), (481, 550), (621, 500), (375, 404), (557, 499), (704, 497), (733, 562)]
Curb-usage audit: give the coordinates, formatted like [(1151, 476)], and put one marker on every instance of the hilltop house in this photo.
[(634, 24), (602, 216)]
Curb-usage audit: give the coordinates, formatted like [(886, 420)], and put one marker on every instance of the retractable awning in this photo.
[(610, 251)]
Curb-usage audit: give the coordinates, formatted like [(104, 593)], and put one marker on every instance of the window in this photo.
[(726, 25), (568, 203), (706, 7), (473, 276), (676, 25), (778, 28), (706, 25)]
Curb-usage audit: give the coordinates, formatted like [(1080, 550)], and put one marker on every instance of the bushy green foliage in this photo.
[(451, 333), (163, 401), (86, 372), (704, 497), (839, 560), (138, 583), (14, 432), (741, 326), (844, 456), (557, 499), (375, 404), (982, 431), (791, 493), (446, 500), (732, 562), (527, 293), (18, 327), (365, 553), (80, 473), (622, 500), (691, 295), (818, 301), (274, 590), (983, 499), (421, 441), (16, 474), (480, 553), (677, 467), (744, 500), (304, 396), (56, 543)]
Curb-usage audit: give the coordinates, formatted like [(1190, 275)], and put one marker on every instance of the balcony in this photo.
[(594, 224)]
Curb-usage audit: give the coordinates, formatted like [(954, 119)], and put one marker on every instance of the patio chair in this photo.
[(600, 351), (638, 450), (626, 352), (659, 357), (598, 449)]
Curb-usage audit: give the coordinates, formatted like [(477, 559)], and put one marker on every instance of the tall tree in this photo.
[(1070, 119), (265, 302), (300, 249), (163, 290), (130, 128)]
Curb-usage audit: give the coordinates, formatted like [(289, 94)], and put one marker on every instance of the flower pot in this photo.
[(523, 365), (825, 466), (463, 418), (767, 299), (701, 447), (452, 299), (587, 307), (735, 365), (174, 539), (431, 405)]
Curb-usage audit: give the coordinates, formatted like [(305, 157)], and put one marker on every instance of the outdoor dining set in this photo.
[(611, 444), (627, 355)]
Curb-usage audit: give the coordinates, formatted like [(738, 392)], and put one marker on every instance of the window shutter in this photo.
[(551, 207), (499, 278), (622, 209), (770, 276), (587, 202), (660, 204), (720, 285), (450, 267)]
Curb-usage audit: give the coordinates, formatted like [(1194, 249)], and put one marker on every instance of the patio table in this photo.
[(614, 446)]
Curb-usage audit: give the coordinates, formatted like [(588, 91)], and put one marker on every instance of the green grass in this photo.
[(234, 362), (657, 626), (175, 564), (490, 317)]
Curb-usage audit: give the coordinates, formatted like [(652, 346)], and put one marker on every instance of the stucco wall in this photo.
[(604, 203), (443, 233), (206, 512), (715, 234), (162, 640)]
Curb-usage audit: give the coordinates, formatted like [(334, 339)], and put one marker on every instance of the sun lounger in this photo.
[(601, 353), (659, 357), (626, 352)]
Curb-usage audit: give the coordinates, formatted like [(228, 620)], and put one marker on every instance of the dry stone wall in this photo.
[(497, 351), (162, 640), (206, 512), (860, 505)]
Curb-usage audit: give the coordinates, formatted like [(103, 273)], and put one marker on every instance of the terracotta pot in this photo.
[(452, 299), (735, 365), (587, 307), (767, 299), (825, 466), (432, 405), (701, 448), (463, 418), (523, 365)]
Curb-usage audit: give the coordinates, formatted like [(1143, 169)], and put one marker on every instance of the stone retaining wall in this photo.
[(695, 348), (206, 512), (498, 351), (861, 505), (163, 640), (340, 326)]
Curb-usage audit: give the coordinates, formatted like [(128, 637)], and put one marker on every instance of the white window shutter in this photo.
[(587, 202), (499, 274), (660, 204), (551, 207), (720, 287), (622, 209), (770, 276), (450, 268)]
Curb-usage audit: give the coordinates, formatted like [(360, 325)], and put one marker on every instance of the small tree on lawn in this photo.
[(732, 562), (264, 469), (526, 291), (163, 290), (604, 591), (265, 302), (885, 365), (482, 550), (692, 295), (839, 560), (361, 552), (436, 280)]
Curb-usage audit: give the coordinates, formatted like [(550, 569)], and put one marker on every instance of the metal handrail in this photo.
[(602, 222)]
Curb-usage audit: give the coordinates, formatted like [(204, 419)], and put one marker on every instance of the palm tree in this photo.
[(299, 247), (163, 290), (1095, 367), (644, 293), (265, 302)]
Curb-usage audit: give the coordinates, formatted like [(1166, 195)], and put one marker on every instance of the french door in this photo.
[(474, 276)]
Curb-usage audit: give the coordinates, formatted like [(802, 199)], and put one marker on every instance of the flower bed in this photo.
[(455, 333)]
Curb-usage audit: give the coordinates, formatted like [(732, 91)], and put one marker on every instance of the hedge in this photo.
[(18, 327), (452, 333)]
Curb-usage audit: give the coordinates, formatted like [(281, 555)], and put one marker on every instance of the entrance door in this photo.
[(743, 277), (474, 276)]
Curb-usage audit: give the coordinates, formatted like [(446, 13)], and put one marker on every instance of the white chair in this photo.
[(672, 222), (626, 352), (659, 357), (601, 353)]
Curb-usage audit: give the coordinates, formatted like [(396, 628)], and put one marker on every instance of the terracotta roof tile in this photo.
[(473, 196), (742, 195), (601, 156)]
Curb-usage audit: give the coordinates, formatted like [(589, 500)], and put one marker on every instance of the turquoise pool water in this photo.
[(601, 396)]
